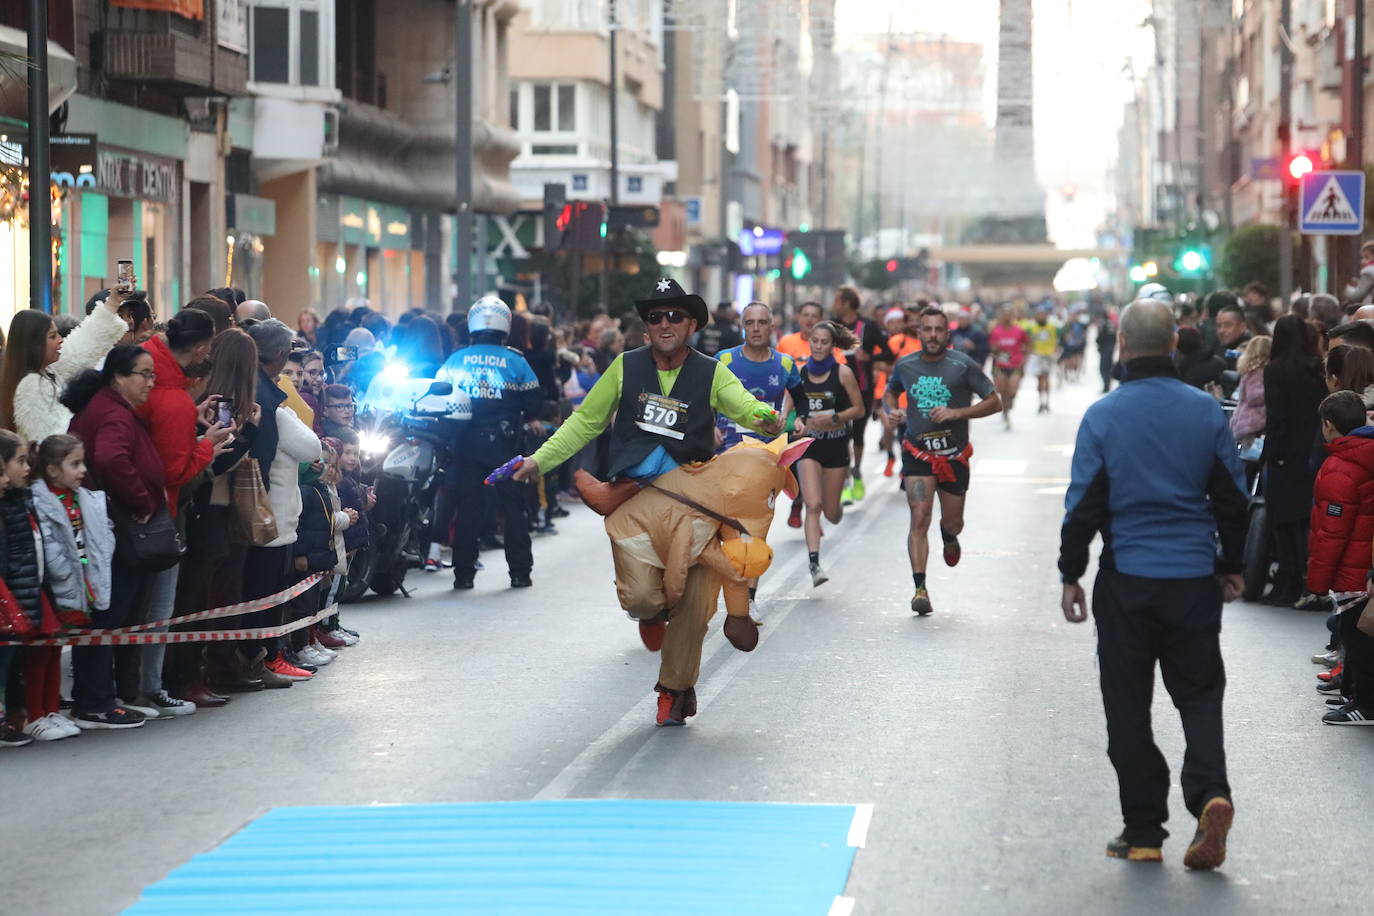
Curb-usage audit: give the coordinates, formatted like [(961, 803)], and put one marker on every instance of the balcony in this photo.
[(180, 64)]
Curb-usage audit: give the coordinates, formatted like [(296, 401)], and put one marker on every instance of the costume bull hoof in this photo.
[(695, 532), (742, 632)]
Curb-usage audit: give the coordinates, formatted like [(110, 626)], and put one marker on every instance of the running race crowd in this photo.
[(154, 470)]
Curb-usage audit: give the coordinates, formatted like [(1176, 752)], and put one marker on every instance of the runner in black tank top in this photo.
[(832, 401)]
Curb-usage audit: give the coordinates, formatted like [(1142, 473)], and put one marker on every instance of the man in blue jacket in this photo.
[(1155, 471)]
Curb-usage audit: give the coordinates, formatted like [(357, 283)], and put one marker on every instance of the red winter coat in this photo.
[(1343, 516), (170, 415), (120, 456)]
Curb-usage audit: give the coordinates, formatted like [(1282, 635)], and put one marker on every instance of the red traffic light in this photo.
[(564, 219), (1300, 164), (892, 266)]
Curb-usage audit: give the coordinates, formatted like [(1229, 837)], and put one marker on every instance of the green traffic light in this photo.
[(801, 264), (1138, 274), (603, 230)]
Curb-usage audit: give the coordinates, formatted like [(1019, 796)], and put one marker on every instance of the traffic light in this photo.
[(1138, 274), (1298, 164), (556, 215), (892, 265), (1192, 260), (586, 226), (801, 264)]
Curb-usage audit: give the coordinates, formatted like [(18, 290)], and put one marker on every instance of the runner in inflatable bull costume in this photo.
[(682, 526)]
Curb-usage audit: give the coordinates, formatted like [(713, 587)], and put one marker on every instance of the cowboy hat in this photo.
[(667, 293)]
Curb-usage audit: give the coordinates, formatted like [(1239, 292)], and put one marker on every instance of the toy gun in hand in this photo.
[(505, 471), (763, 416)]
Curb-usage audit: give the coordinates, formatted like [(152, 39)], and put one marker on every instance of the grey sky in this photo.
[(1081, 47)]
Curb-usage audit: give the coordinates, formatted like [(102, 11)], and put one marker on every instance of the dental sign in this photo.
[(137, 176)]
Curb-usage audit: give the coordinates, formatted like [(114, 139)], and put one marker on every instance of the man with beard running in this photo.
[(939, 384)]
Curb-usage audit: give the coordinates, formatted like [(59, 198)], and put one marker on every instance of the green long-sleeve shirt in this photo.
[(728, 396)]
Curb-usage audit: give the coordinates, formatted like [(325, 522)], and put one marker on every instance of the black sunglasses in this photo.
[(673, 316)]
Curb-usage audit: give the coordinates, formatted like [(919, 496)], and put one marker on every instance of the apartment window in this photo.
[(288, 42), (515, 109), (555, 149), (635, 184), (567, 107), (543, 108), (579, 182)]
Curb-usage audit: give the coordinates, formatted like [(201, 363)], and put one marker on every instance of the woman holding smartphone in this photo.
[(39, 362)]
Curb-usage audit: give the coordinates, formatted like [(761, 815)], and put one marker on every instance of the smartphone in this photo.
[(124, 275), (226, 411), (343, 354)]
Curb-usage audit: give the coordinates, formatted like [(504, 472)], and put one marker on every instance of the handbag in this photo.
[(150, 546), (1366, 622), (251, 520)]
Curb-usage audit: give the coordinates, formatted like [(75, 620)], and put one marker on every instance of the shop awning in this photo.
[(14, 75)]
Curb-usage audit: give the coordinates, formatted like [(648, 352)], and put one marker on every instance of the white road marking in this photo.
[(858, 828)]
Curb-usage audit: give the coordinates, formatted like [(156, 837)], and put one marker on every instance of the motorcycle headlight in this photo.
[(374, 443)]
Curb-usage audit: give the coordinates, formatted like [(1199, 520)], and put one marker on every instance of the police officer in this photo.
[(505, 396)]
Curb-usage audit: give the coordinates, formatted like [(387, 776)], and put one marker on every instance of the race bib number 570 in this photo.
[(662, 415)]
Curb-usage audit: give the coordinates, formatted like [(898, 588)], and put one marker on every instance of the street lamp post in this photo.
[(40, 198), (462, 91)]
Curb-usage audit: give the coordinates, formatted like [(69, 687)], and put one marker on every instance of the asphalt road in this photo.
[(977, 733)]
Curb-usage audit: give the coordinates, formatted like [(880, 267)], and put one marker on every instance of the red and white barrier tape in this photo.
[(229, 610), (152, 639)]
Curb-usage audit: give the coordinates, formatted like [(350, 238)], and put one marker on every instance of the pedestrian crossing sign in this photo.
[(1332, 203)]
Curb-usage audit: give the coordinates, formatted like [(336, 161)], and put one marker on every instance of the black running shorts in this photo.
[(829, 453), (914, 467)]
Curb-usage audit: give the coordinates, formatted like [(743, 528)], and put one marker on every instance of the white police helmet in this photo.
[(489, 314), (1155, 291)]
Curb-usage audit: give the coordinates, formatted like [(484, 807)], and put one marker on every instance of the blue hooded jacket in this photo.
[(1155, 470)]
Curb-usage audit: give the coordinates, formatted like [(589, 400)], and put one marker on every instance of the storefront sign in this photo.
[(247, 213), (74, 160), (140, 177), (191, 9)]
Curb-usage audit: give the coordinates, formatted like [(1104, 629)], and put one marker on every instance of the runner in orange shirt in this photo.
[(902, 340), (798, 344)]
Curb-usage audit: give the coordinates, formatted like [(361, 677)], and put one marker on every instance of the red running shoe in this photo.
[(888, 471), (328, 640), (282, 668), (794, 519), (1329, 673)]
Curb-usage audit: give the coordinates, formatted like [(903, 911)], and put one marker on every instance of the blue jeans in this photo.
[(162, 595)]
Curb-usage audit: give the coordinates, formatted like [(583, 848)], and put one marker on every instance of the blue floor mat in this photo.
[(563, 857)]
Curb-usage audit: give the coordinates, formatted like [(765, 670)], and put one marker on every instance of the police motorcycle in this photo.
[(406, 448)]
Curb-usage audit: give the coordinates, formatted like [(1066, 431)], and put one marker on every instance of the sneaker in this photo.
[(62, 722), (434, 562), (857, 489), (953, 552), (164, 706), (323, 651), (818, 576), (1311, 602), (675, 707), (347, 632), (1349, 714), (1329, 659), (13, 737), (1329, 673), (847, 495), (146, 710), (119, 717), (890, 468), (432, 565), (45, 730), (313, 656), (520, 580), (1208, 849), (343, 637), (794, 519), (327, 639), (920, 603), (754, 612), (1331, 686), (1336, 701), (1120, 849), (293, 659), (463, 582), (282, 668)]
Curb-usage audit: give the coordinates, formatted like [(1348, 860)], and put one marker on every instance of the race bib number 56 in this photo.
[(662, 415)]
